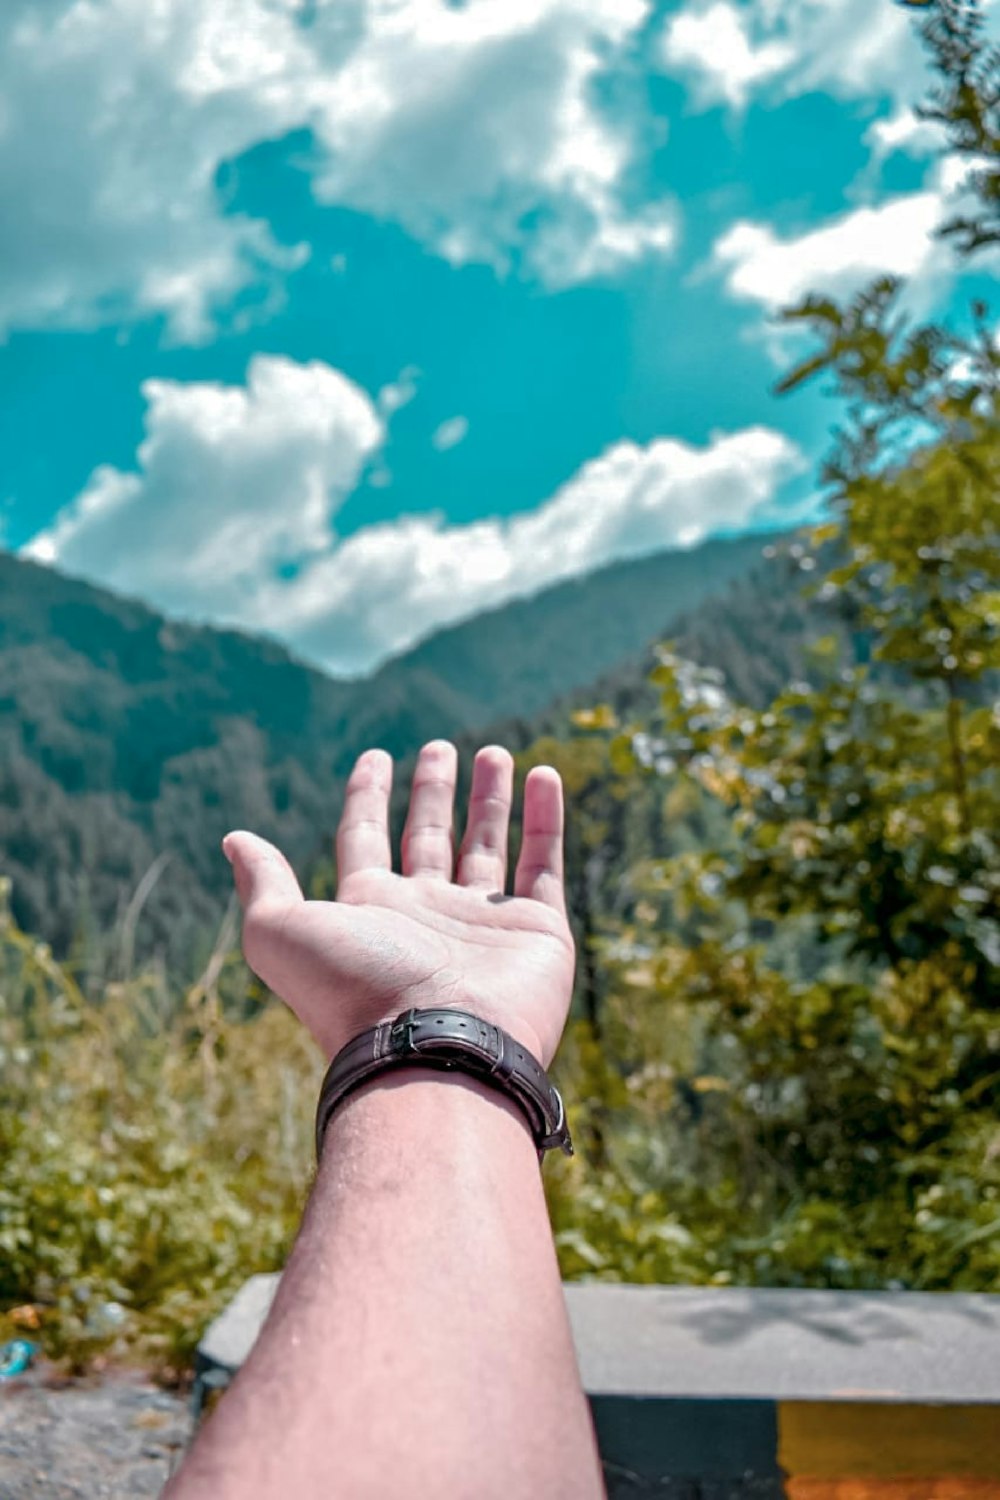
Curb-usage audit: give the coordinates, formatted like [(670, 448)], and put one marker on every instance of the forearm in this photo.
[(423, 1300)]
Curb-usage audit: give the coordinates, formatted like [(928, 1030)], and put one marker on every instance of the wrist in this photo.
[(446, 1039), (522, 1031), (428, 1115)]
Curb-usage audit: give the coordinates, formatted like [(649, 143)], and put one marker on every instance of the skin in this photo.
[(419, 1344)]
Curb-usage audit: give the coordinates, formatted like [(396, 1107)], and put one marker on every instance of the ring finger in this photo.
[(483, 858)]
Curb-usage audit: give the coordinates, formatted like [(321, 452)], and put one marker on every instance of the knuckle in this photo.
[(433, 783), (427, 831), (490, 802), (361, 825), (485, 840)]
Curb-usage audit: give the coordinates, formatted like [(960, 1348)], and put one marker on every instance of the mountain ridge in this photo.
[(124, 734)]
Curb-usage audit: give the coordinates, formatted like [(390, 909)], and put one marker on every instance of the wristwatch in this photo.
[(449, 1040)]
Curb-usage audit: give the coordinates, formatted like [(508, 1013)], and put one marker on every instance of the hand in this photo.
[(391, 941)]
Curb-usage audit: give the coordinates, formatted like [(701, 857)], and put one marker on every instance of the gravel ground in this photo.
[(113, 1438)]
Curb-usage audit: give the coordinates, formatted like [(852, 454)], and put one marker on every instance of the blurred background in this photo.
[(614, 379)]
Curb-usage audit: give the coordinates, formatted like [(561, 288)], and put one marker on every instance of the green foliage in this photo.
[(966, 104), (803, 1036), (154, 1152)]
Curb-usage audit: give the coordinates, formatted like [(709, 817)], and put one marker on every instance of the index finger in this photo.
[(363, 834)]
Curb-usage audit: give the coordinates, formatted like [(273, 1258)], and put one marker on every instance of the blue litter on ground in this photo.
[(15, 1357)]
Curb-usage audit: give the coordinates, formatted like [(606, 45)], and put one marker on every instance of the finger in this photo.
[(268, 892), (363, 834), (483, 858), (539, 873), (428, 844), (262, 874)]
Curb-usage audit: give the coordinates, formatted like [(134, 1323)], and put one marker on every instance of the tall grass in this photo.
[(155, 1149)]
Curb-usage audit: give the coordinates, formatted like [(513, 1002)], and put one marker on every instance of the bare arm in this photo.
[(419, 1344)]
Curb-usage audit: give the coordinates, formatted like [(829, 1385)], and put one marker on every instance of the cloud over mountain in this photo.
[(231, 485), (230, 516)]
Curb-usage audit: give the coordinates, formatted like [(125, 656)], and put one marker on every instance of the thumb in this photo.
[(263, 876)]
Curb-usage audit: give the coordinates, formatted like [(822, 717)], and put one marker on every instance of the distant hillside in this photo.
[(124, 737), (758, 634), (519, 659)]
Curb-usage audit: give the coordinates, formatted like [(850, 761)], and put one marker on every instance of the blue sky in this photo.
[(341, 321)]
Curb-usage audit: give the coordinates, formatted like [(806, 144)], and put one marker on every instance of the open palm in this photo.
[(436, 934)]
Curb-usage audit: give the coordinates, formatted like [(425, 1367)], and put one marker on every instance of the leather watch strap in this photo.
[(450, 1040)]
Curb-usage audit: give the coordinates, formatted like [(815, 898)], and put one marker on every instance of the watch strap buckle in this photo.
[(401, 1033)]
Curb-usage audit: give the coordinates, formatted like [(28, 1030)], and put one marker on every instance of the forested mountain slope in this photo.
[(517, 660), (125, 737), (757, 632)]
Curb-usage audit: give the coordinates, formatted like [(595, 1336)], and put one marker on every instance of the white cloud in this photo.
[(462, 122), (117, 117), (231, 483), (228, 516), (399, 392), (387, 586), (903, 130), (714, 45), (850, 48), (897, 238), (450, 433), (475, 127)]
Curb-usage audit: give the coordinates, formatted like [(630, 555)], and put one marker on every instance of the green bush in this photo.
[(153, 1153)]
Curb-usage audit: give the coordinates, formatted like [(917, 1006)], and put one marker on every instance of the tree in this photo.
[(834, 969), (966, 104)]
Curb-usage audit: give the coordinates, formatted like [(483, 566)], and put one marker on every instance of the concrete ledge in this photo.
[(227, 1342), (668, 1341), (728, 1394)]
